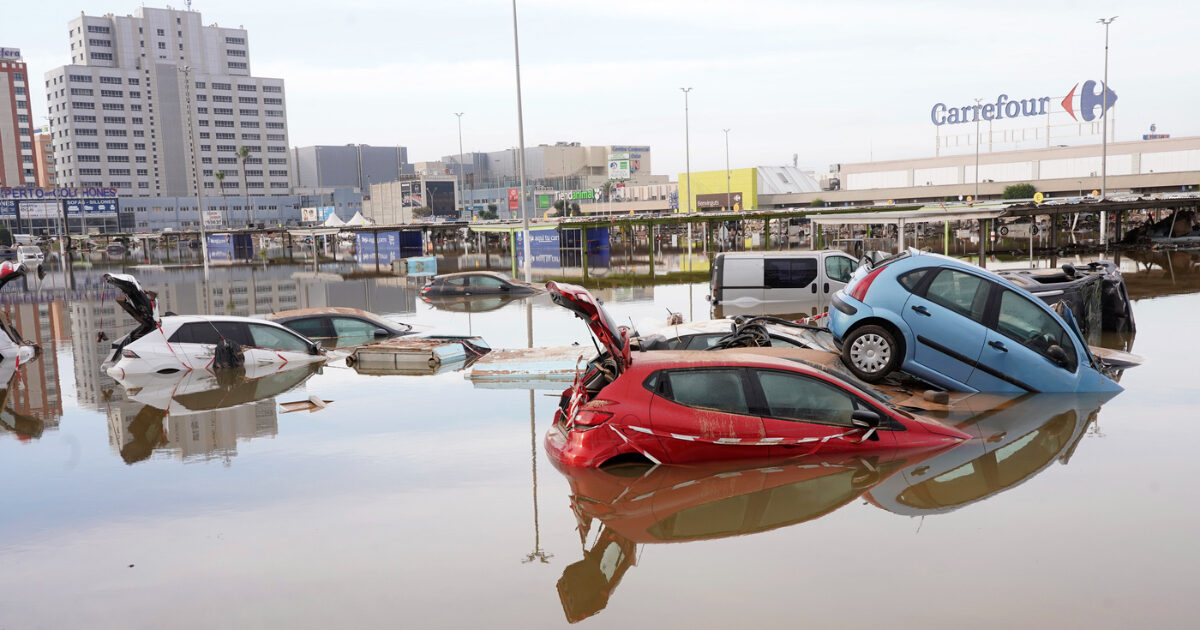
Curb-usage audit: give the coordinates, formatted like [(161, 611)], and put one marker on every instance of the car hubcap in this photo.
[(870, 353)]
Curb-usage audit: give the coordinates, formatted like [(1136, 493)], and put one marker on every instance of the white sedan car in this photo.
[(167, 344)]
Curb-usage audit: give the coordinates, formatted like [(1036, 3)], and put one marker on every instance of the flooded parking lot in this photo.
[(428, 501)]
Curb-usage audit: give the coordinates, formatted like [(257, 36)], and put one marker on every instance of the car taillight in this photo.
[(129, 354), (859, 290), (591, 418)]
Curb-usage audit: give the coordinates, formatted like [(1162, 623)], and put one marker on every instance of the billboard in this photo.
[(212, 218), (1094, 95), (618, 166), (410, 195), (308, 215), (391, 246), (440, 198), (543, 202), (514, 199), (92, 207), (8, 209), (544, 250)]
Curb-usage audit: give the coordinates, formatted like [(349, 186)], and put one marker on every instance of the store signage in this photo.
[(92, 207), (33, 192), (10, 54), (1084, 106), (514, 198), (618, 166)]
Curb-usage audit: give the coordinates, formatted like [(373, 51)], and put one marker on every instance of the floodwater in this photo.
[(427, 502)]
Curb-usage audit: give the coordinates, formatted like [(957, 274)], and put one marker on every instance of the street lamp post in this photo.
[(187, 92), (521, 137), (977, 117), (460, 161), (687, 144), (728, 196), (1104, 141)]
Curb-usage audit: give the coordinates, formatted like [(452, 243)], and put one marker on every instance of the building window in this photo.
[(81, 91), (80, 78), (275, 89), (162, 45), (100, 42), (237, 41), (102, 56), (237, 65), (233, 52), (111, 93), (221, 86), (248, 112), (92, 28)]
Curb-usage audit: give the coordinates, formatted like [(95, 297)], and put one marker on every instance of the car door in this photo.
[(945, 315), (1017, 356), (801, 407), (315, 327), (793, 280), (704, 414), (275, 344), (836, 272)]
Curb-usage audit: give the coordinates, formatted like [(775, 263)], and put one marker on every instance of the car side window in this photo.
[(276, 339), (310, 326), (804, 399), (486, 282), (351, 327), (701, 342), (719, 390), (456, 282), (1027, 323), (912, 279), (196, 333), (789, 273), (960, 292), (839, 268)]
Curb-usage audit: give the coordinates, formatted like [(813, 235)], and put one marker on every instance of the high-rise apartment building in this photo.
[(43, 159), (150, 98), (16, 121)]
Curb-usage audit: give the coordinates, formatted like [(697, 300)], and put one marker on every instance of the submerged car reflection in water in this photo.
[(667, 504), (206, 413)]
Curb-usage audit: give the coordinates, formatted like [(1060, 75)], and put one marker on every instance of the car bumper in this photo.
[(586, 449)]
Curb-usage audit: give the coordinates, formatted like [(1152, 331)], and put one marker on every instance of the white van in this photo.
[(778, 283)]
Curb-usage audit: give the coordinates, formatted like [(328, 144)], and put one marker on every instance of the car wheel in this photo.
[(1034, 229), (871, 353), (1003, 230)]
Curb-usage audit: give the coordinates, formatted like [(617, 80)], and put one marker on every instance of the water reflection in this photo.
[(1012, 441), (668, 504), (205, 413)]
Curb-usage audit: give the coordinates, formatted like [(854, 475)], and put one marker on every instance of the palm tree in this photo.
[(243, 154), (221, 185)]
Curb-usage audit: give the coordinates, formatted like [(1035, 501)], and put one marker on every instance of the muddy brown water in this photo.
[(427, 502)]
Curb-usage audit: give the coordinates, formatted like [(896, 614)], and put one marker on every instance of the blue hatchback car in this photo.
[(958, 327)]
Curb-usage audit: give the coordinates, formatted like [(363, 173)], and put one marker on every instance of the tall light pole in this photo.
[(521, 137), (187, 94), (1104, 141), (728, 196), (462, 200), (687, 149), (977, 117)]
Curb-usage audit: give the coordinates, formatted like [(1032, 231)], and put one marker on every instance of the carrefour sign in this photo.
[(1085, 104)]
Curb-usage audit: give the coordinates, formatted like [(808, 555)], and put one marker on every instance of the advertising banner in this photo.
[(212, 218), (324, 212), (308, 215), (220, 247), (38, 209), (514, 199), (383, 248), (410, 195), (543, 202), (440, 198), (92, 207), (618, 166), (543, 249), (8, 209)]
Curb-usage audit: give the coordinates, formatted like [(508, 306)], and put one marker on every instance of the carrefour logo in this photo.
[(1085, 105)]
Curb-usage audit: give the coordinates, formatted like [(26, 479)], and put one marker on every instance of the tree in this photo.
[(1018, 191), (575, 211), (607, 189), (6, 238), (243, 154), (560, 208), (422, 212), (221, 185), (817, 203), (490, 214)]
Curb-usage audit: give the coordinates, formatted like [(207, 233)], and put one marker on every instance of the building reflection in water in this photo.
[(1014, 439)]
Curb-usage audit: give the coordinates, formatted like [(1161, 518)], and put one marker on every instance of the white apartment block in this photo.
[(120, 113)]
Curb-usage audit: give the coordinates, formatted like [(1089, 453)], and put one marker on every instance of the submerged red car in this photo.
[(678, 407)]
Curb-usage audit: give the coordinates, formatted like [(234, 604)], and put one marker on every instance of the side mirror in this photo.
[(316, 348), (379, 332), (867, 420), (1058, 355)]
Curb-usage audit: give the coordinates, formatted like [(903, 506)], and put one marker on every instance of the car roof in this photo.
[(325, 310), (460, 274), (783, 254), (660, 359), (187, 319)]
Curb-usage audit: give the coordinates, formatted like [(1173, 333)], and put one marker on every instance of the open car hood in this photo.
[(579, 301), (139, 303)]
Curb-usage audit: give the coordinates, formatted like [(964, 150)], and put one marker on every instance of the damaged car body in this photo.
[(680, 406), (12, 346), (960, 328)]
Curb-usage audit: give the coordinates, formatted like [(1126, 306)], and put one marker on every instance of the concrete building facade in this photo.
[(349, 166), (1141, 166), (17, 164), (43, 160), (150, 98)]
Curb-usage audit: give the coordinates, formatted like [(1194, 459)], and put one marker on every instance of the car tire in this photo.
[(1034, 230), (871, 352), (1003, 230)]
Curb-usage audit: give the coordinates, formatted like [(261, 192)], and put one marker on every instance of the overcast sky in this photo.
[(830, 82)]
